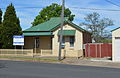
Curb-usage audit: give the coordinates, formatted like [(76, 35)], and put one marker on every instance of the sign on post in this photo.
[(18, 40)]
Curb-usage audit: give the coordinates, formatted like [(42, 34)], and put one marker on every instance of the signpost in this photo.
[(18, 40)]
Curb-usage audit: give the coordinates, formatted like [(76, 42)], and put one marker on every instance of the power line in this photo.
[(112, 3), (69, 7), (94, 9), (26, 8)]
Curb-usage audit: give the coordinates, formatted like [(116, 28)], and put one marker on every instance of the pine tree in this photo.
[(0, 27), (0, 16), (11, 26)]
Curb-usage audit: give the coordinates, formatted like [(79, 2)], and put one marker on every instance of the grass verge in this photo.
[(30, 59)]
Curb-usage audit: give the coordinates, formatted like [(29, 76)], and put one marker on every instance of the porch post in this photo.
[(35, 46)]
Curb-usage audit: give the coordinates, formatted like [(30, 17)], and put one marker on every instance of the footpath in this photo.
[(89, 62)]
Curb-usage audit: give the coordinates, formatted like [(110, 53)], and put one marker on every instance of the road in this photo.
[(16, 69)]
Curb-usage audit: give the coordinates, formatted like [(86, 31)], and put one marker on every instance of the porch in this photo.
[(41, 45)]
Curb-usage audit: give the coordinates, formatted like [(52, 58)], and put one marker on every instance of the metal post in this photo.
[(61, 33)]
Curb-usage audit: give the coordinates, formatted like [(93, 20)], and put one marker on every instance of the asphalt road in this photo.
[(13, 69)]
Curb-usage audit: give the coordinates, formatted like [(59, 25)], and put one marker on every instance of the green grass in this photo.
[(30, 58)]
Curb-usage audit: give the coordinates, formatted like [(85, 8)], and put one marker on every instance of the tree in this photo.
[(11, 26), (97, 26), (0, 16), (0, 26), (53, 10)]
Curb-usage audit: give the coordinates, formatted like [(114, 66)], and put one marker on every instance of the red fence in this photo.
[(98, 50)]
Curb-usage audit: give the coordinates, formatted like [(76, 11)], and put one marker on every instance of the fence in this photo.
[(16, 52), (72, 53), (40, 52), (98, 50)]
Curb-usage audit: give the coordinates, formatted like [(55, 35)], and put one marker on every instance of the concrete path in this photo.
[(88, 62)]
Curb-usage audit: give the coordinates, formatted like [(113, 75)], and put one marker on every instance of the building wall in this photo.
[(115, 33), (29, 42), (70, 52), (44, 43)]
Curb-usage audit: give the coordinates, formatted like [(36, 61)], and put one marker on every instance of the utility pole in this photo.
[(61, 31)]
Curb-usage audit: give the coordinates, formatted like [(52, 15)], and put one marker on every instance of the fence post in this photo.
[(85, 50), (96, 50), (41, 52), (0, 52), (100, 51), (88, 50)]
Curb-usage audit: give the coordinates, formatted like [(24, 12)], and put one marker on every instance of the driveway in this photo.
[(16, 69)]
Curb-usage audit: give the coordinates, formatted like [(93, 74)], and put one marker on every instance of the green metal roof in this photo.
[(115, 29), (37, 33), (67, 32), (46, 26), (51, 25)]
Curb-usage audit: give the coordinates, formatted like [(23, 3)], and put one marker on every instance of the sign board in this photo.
[(18, 40)]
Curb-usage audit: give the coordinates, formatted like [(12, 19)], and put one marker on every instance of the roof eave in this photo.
[(115, 29)]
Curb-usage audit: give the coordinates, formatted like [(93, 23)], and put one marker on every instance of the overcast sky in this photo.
[(27, 15)]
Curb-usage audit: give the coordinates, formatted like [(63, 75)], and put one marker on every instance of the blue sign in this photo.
[(18, 40)]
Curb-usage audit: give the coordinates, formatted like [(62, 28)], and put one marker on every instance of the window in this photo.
[(72, 40)]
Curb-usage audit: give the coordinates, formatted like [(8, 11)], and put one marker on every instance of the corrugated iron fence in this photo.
[(98, 50)]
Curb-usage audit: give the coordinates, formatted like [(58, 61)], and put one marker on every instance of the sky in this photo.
[(27, 15)]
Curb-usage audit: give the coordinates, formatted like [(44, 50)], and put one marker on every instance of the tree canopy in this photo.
[(0, 27), (97, 26), (53, 10), (0, 16), (10, 27)]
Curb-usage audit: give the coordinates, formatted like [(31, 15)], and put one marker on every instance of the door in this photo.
[(117, 49)]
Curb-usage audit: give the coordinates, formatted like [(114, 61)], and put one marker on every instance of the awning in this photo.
[(37, 33), (67, 32)]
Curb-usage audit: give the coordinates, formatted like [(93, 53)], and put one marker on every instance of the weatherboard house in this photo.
[(44, 38)]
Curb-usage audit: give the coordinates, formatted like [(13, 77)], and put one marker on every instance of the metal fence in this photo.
[(98, 50)]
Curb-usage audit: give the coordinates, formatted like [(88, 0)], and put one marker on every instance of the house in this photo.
[(116, 44), (44, 38)]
